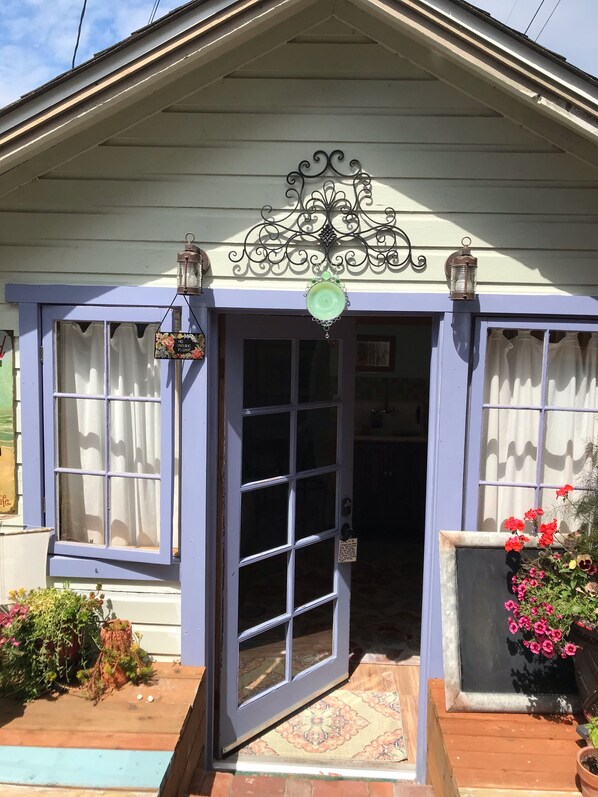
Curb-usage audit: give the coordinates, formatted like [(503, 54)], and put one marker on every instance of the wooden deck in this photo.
[(499, 755), (161, 739)]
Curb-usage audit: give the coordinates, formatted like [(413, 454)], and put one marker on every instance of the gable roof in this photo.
[(137, 76)]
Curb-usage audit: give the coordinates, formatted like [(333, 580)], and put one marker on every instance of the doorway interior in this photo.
[(392, 381)]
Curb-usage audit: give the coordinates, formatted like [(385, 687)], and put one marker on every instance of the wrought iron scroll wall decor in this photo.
[(328, 231)]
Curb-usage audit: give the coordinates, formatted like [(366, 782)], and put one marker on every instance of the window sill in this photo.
[(100, 569)]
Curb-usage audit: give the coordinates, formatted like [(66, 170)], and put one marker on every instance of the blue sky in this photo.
[(37, 37)]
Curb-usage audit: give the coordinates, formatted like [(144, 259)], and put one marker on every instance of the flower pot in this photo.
[(116, 635), (588, 781), (585, 664)]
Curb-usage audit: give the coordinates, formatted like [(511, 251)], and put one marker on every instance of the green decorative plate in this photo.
[(326, 300)]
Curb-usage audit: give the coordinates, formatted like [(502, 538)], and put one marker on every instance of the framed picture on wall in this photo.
[(375, 353)]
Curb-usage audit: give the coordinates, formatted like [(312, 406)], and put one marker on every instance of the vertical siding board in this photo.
[(30, 420), (194, 487)]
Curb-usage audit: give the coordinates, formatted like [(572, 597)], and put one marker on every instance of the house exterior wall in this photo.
[(117, 214), (154, 610)]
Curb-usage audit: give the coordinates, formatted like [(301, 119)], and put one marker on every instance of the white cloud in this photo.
[(37, 37)]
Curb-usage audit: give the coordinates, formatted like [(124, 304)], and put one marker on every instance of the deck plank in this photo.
[(171, 725), (490, 752)]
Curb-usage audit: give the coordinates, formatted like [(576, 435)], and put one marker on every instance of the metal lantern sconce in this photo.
[(461, 272), (193, 263)]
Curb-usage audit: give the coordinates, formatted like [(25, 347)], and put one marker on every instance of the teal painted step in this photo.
[(94, 769)]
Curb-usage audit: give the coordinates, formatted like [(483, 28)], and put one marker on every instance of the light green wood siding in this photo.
[(451, 165)]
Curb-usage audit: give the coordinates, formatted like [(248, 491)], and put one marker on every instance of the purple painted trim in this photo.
[(194, 484), (71, 567), (392, 300), (51, 314), (31, 419), (211, 542), (447, 427)]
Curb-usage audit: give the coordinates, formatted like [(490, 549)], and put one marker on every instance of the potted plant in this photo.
[(587, 759), (47, 635), (120, 660), (555, 591)]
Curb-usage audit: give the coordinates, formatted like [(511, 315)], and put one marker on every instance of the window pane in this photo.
[(316, 438), (133, 370), (318, 370), (496, 504), (266, 445), (81, 508), (513, 372), (314, 571), (80, 357), (134, 513), (262, 591), (573, 370), (510, 445), (567, 446), (315, 505), (267, 373), (312, 637), (81, 434), (264, 519), (262, 661), (134, 437)]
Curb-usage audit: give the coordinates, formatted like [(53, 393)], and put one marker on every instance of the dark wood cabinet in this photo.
[(389, 486)]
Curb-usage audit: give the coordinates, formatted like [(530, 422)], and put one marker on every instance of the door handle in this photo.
[(347, 532)]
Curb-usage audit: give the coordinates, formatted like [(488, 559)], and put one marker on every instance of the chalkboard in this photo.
[(486, 667)]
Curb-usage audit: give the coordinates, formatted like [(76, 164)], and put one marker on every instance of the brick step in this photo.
[(225, 784)]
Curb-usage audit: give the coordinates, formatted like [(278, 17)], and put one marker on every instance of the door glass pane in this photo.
[(318, 370), (496, 504), (315, 505), (262, 661), (262, 591), (134, 512), (316, 438), (267, 373), (312, 637), (314, 571), (264, 519), (81, 508), (134, 437), (510, 448), (266, 446), (81, 434), (80, 358)]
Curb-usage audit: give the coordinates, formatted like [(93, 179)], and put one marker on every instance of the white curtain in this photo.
[(134, 430), (511, 436)]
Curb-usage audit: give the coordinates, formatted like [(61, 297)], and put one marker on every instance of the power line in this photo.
[(532, 19), (511, 11), (548, 20), (154, 10), (79, 33)]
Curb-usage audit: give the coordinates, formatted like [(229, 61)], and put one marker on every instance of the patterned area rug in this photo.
[(352, 728)]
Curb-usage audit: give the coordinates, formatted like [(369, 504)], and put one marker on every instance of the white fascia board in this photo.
[(112, 62), (525, 54)]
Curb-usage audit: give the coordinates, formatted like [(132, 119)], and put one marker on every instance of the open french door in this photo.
[(288, 455)]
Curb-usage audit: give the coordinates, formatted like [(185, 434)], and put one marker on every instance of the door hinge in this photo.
[(41, 354), (44, 504)]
